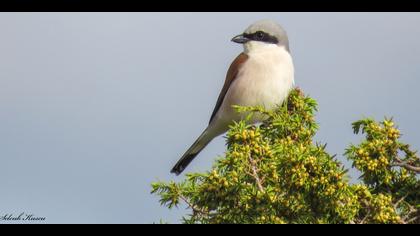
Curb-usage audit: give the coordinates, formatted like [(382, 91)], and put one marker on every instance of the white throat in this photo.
[(255, 46)]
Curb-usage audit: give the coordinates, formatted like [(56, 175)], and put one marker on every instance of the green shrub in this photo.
[(275, 173)]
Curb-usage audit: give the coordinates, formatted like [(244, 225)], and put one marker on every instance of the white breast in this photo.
[(265, 79)]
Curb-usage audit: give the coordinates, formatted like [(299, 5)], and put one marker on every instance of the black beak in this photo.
[(240, 39)]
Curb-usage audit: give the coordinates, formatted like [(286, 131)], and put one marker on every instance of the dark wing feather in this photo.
[(230, 77)]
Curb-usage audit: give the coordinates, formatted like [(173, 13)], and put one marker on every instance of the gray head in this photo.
[(266, 31)]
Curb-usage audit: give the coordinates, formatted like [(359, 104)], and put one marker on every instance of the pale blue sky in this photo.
[(96, 106)]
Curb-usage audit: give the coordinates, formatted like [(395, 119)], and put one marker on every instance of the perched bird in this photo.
[(262, 75)]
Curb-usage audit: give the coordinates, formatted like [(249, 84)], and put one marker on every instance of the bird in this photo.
[(261, 75)]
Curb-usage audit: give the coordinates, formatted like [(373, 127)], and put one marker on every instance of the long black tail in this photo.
[(191, 153)]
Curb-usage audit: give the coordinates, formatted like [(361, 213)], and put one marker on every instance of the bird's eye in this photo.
[(260, 35)]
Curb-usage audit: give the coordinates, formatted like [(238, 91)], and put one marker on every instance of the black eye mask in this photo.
[(262, 37)]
